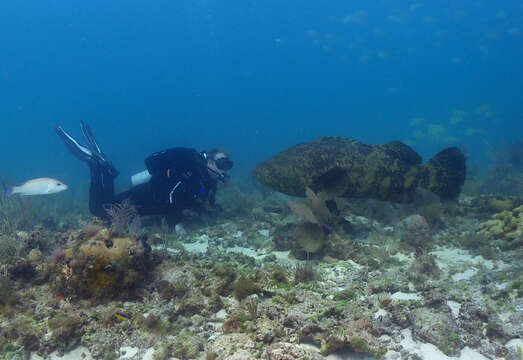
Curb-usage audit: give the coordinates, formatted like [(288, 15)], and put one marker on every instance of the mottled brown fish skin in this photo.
[(347, 168)]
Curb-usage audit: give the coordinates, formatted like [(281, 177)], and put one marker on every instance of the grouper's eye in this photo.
[(58, 184)]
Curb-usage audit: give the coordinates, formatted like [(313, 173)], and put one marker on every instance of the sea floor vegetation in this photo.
[(366, 280)]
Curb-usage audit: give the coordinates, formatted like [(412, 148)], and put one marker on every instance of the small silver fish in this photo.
[(40, 186)]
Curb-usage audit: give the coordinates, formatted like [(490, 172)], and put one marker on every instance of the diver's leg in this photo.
[(101, 191), (141, 198)]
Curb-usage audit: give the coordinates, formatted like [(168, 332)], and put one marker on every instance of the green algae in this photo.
[(211, 355), (350, 293), (186, 346), (111, 355), (244, 287), (304, 273), (450, 344), (13, 352), (66, 331), (278, 274), (359, 345), (8, 296)]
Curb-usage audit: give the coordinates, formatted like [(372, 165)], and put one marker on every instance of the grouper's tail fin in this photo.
[(445, 173)]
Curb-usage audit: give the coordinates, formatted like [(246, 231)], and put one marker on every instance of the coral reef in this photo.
[(233, 288), (102, 266), (507, 225)]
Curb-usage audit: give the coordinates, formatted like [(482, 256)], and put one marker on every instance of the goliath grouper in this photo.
[(347, 168)]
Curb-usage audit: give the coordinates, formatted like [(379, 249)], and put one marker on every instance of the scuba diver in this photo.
[(177, 178)]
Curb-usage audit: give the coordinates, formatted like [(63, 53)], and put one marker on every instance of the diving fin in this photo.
[(91, 154), (98, 154), (78, 150), (91, 141)]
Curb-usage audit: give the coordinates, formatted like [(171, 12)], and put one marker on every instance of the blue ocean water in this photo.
[(254, 77)]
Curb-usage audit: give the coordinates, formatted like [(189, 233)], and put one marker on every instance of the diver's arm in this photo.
[(176, 195), (211, 194), (182, 191)]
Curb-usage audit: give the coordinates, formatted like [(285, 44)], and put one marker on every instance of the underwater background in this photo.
[(254, 77), (349, 271)]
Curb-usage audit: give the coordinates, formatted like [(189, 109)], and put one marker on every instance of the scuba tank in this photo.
[(140, 178)]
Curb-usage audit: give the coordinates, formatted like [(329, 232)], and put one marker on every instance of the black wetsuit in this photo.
[(179, 180)]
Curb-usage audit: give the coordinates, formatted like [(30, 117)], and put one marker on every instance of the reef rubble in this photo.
[(406, 288)]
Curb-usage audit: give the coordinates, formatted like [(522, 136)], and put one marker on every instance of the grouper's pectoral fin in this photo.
[(334, 182)]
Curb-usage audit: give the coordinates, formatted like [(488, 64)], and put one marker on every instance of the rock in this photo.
[(382, 322), (512, 327), (234, 346), (415, 231), (287, 351), (267, 330), (472, 318), (514, 349), (439, 329)]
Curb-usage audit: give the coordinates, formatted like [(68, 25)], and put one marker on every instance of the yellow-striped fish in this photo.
[(40, 186)]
